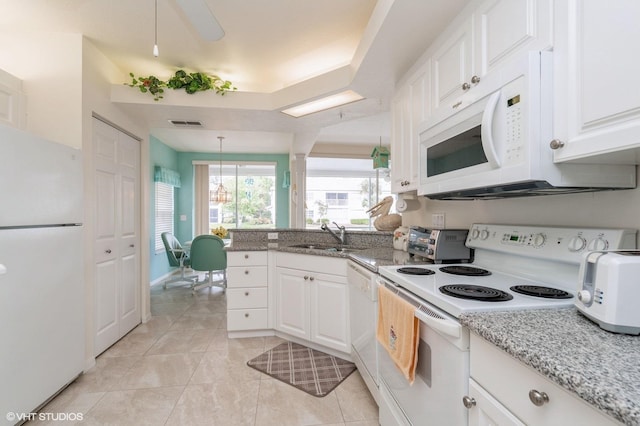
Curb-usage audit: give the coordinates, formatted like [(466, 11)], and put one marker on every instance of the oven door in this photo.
[(442, 373)]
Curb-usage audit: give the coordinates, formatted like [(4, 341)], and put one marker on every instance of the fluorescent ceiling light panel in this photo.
[(332, 101)]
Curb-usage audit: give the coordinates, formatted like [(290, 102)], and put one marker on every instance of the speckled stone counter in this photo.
[(600, 367)]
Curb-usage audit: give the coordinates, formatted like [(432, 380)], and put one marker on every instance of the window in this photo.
[(252, 187), (341, 190), (164, 212), (337, 198)]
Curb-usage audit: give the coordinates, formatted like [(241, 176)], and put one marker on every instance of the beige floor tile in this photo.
[(134, 407), (226, 366), (280, 404), (171, 308), (217, 403), (355, 400), (189, 321), (182, 341), (156, 325), (68, 408), (154, 371), (131, 345), (104, 376)]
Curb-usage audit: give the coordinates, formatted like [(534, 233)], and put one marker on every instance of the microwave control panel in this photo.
[(512, 98)]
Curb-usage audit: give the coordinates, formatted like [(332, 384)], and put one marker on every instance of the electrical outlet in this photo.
[(272, 235), (437, 220)]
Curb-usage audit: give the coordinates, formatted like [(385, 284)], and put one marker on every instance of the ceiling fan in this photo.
[(202, 19)]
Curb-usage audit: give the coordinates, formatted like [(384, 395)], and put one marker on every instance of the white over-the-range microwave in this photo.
[(498, 144)]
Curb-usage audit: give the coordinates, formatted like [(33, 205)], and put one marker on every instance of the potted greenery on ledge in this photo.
[(190, 82)]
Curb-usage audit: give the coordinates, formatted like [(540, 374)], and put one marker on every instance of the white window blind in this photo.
[(164, 212)]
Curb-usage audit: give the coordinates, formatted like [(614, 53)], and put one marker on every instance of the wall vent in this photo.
[(186, 123)]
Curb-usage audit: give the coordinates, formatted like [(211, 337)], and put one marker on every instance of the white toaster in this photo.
[(609, 291)]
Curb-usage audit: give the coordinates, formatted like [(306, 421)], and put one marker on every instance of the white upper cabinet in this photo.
[(452, 68), (410, 107), (490, 35), (596, 96), (503, 28), (12, 101)]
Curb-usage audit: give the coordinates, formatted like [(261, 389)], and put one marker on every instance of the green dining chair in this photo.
[(178, 257), (208, 254)]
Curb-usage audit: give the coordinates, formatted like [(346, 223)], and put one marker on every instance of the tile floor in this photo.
[(181, 369)]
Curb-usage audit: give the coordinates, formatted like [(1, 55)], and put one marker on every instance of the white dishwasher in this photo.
[(363, 308)]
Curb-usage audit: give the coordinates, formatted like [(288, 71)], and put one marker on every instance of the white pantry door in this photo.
[(117, 236)]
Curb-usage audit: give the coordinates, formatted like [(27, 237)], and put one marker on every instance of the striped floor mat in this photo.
[(309, 370)]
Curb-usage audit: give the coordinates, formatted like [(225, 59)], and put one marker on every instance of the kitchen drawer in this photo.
[(247, 298), (247, 276), (246, 258), (247, 319), (509, 381)]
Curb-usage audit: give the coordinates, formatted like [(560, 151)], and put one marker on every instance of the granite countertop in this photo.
[(371, 258), (600, 367)]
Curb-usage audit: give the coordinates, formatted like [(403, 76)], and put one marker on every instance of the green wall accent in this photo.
[(165, 156)]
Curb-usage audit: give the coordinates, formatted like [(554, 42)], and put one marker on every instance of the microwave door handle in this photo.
[(487, 131)]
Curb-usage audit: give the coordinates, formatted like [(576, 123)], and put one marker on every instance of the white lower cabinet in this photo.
[(502, 391), (312, 299), (247, 291)]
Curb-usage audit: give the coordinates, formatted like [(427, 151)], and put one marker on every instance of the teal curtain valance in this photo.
[(168, 176)]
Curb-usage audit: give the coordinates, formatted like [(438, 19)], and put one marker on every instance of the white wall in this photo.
[(611, 209)]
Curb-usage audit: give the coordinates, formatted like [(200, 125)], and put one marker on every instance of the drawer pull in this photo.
[(108, 251), (538, 398), (468, 402), (246, 256), (246, 315), (246, 272), (306, 277), (311, 278), (246, 293)]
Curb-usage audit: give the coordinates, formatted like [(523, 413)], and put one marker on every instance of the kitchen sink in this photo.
[(325, 247)]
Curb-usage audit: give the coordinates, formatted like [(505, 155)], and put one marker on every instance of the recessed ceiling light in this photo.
[(322, 104)]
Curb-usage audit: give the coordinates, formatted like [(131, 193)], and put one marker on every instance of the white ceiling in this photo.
[(276, 52)]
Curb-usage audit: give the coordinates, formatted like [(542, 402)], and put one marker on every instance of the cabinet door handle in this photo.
[(456, 105), (132, 245), (466, 86), (108, 251), (556, 144), (468, 402), (246, 315), (538, 398), (306, 277), (246, 256), (246, 272), (475, 79), (246, 293), (311, 278)]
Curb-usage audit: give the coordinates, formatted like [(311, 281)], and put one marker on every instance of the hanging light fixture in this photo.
[(220, 195), (155, 37)]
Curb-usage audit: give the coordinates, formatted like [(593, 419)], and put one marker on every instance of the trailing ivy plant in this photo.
[(190, 82)]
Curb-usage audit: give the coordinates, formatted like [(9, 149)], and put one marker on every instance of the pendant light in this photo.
[(155, 37), (220, 195)]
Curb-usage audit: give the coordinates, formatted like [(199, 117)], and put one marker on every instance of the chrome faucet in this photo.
[(340, 237)]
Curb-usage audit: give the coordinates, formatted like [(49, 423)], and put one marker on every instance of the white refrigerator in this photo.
[(41, 271)]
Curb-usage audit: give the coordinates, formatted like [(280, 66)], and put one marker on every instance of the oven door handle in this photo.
[(443, 325)]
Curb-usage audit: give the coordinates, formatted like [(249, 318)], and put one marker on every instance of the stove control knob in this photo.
[(577, 243), (539, 240), (474, 233), (584, 296), (484, 234), (598, 244)]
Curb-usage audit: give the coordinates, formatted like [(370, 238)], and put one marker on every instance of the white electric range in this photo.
[(507, 259)]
